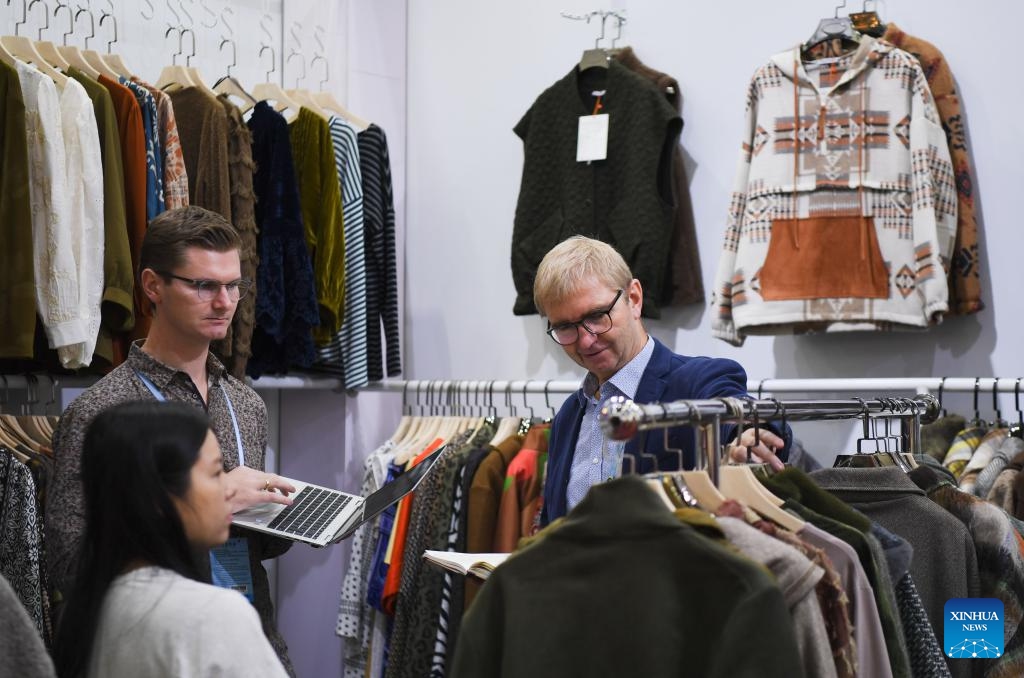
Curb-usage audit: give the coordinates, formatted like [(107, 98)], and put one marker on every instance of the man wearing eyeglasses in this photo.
[(592, 303), (190, 271)]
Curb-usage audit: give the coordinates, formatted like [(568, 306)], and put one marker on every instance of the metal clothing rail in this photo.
[(984, 385), (621, 419)]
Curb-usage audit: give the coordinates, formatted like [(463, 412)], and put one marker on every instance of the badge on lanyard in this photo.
[(229, 566)]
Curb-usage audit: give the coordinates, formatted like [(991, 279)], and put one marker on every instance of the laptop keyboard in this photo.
[(311, 511)]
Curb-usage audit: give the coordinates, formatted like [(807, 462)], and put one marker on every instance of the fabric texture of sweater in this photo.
[(868, 147)]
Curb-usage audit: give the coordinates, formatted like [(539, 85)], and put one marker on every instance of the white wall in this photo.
[(476, 67)]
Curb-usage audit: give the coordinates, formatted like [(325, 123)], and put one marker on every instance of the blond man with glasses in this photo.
[(592, 304)]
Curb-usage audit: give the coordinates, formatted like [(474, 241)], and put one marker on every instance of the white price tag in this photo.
[(592, 141)]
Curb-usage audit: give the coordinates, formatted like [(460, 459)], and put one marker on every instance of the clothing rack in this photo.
[(621, 418)]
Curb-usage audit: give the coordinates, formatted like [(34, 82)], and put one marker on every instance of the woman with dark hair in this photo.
[(155, 502)]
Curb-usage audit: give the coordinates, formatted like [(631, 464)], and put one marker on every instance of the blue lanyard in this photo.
[(231, 410)]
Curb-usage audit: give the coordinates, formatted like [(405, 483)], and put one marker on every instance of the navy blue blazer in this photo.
[(669, 376)]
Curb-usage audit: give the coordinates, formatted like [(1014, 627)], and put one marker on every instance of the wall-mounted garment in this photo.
[(625, 200), (175, 178), (17, 284), (133, 160), (346, 352), (236, 348), (320, 195), (55, 269), (538, 617), (850, 151), (118, 308), (684, 283), (381, 256), (964, 265), (203, 132), (286, 308), (84, 182), (154, 153)]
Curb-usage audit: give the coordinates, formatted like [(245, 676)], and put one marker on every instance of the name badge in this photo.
[(229, 566)]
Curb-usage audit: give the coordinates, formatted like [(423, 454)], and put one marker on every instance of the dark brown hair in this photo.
[(174, 231)]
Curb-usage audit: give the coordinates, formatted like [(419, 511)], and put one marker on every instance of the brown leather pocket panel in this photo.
[(824, 257)]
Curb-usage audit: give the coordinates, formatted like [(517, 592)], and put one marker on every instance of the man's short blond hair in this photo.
[(570, 263)]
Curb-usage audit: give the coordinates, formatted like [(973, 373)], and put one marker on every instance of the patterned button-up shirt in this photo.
[(65, 510), (596, 459)]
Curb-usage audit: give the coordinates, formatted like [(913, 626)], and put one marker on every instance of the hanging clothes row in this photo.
[(854, 142), (106, 152), (26, 467)]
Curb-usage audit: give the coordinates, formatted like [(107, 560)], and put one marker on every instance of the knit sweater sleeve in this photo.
[(728, 288), (934, 196)]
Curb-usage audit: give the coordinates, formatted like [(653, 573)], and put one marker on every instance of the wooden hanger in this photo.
[(330, 103), (305, 99), (74, 56), (48, 51), (24, 49), (95, 60)]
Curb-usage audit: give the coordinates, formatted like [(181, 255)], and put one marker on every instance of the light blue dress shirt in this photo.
[(597, 459)]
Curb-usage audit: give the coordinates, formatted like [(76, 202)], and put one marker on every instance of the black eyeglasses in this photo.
[(207, 290), (596, 323)]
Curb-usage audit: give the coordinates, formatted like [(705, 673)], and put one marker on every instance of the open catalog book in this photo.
[(477, 564)]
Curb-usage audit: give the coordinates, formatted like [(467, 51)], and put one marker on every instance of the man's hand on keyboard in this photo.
[(251, 487)]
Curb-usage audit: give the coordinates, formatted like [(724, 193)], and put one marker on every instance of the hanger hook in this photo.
[(273, 59), (46, 16), (152, 10), (110, 15), (977, 389), (327, 72), (92, 24), (234, 53), (839, 7), (301, 61), (25, 14), (71, 19), (942, 385), (999, 423), (619, 19), (604, 20), (188, 59), (526, 404)]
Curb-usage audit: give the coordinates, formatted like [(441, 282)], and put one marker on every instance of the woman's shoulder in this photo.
[(156, 587)]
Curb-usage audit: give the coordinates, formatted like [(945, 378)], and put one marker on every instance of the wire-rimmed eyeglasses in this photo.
[(207, 290), (596, 323)]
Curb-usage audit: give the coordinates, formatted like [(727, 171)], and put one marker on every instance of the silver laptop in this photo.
[(321, 516)]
